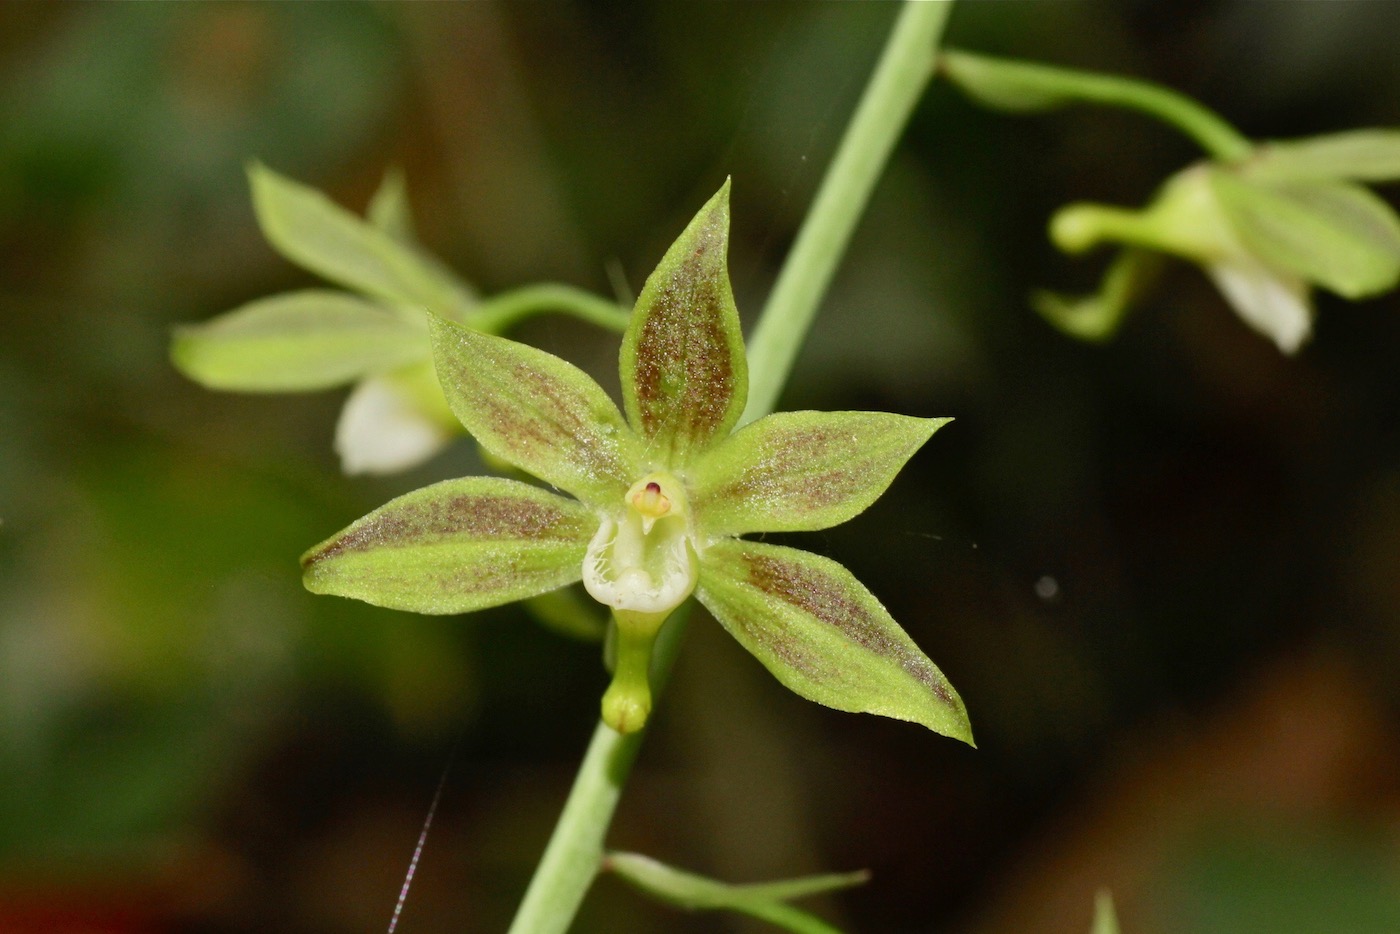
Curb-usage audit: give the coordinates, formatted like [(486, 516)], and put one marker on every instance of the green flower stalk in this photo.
[(373, 335), (660, 493)]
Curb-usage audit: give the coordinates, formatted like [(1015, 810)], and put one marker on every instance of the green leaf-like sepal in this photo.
[(1335, 234), (538, 412), (684, 374), (1371, 155), (824, 636), (455, 546), (763, 900), (802, 471), (313, 339), (311, 230)]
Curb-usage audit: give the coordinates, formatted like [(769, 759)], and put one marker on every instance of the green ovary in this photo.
[(641, 564)]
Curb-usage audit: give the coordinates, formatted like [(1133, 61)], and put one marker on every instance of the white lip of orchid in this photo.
[(643, 560), (1275, 305), (381, 430)]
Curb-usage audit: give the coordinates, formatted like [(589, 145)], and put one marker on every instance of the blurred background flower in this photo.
[(1161, 573)]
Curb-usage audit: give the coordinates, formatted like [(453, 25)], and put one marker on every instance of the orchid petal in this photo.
[(684, 375), (1276, 306), (385, 427), (389, 209), (1334, 234), (538, 412), (455, 546), (312, 339), (802, 471), (316, 233), (1368, 155), (824, 636)]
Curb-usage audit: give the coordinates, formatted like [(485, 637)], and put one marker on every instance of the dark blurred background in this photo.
[(1163, 573)]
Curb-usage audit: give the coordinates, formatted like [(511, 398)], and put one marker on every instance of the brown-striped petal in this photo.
[(455, 546), (684, 376), (824, 636)]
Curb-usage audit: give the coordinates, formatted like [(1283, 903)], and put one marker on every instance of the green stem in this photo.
[(905, 68), (575, 849), (1012, 85), (499, 312)]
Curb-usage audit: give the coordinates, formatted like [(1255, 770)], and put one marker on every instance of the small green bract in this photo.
[(658, 499)]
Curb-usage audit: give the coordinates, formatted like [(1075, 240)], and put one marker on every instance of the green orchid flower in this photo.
[(658, 499), (1267, 229), (1267, 221), (372, 335)]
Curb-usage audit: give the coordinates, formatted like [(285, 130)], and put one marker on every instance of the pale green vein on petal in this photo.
[(297, 341), (538, 412), (455, 546), (802, 471), (824, 635)]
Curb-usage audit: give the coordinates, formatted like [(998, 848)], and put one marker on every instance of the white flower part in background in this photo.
[(643, 560), (382, 429), (1275, 305)]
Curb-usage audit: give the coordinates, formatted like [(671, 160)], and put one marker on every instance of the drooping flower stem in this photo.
[(1026, 86), (499, 312), (905, 68), (575, 849)]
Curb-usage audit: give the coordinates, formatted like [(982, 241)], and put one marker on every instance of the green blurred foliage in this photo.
[(1304, 880), (1106, 550)]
